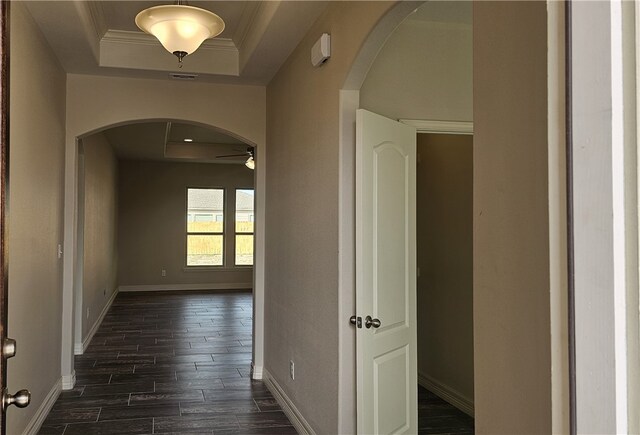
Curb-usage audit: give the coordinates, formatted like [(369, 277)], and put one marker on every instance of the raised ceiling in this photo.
[(100, 37), (165, 141)]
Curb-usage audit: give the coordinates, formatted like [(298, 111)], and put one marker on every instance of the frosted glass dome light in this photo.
[(181, 29)]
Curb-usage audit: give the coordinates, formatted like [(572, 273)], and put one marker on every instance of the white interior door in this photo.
[(386, 275)]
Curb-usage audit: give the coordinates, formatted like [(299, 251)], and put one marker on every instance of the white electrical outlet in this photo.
[(292, 370), (164, 272), (88, 312)]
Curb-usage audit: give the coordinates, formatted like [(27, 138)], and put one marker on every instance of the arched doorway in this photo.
[(227, 122), (546, 338), (117, 242)]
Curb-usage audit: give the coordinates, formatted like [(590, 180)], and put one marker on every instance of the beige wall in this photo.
[(95, 102), (100, 254), (445, 260), (424, 70), (301, 292), (152, 222), (511, 306), (36, 205)]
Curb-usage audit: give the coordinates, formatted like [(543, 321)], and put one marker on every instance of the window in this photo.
[(205, 234), (244, 227)]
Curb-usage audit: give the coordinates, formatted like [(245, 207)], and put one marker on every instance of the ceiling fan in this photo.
[(250, 163)]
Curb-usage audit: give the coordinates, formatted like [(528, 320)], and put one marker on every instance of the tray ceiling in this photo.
[(100, 37)]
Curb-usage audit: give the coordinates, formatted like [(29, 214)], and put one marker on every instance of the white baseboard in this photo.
[(69, 381), (446, 393), (41, 414), (256, 372), (79, 348), (175, 287), (296, 418)]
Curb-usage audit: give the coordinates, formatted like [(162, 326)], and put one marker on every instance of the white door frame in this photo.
[(78, 348), (605, 212)]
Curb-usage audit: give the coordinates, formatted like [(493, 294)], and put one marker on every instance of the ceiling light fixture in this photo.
[(188, 140), (250, 163), (180, 28)]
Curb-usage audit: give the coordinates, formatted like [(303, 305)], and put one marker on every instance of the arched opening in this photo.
[(188, 151), (494, 346), (208, 126), (382, 80)]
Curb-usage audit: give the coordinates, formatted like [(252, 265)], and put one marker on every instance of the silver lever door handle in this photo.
[(21, 399), (369, 322)]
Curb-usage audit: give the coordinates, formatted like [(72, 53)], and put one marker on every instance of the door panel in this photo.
[(390, 253), (393, 414), (386, 275)]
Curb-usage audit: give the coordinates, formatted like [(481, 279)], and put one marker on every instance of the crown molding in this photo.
[(96, 13), (90, 16), (247, 19), (138, 50), (141, 38), (256, 29)]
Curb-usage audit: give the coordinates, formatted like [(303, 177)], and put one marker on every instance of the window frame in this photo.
[(198, 233)]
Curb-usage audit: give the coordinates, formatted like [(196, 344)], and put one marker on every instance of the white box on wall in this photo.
[(321, 50)]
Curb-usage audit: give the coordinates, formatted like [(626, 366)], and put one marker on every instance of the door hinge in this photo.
[(9, 348), (356, 321)]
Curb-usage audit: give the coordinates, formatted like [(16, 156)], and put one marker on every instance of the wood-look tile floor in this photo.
[(169, 363), (435, 416)]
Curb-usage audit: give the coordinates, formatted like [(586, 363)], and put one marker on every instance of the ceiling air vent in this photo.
[(183, 76)]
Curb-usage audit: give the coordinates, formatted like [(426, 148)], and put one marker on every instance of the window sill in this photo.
[(216, 269)]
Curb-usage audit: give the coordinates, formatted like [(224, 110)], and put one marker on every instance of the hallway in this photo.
[(166, 362)]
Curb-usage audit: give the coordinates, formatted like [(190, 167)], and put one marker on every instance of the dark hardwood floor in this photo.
[(179, 363), (169, 363), (435, 416)]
